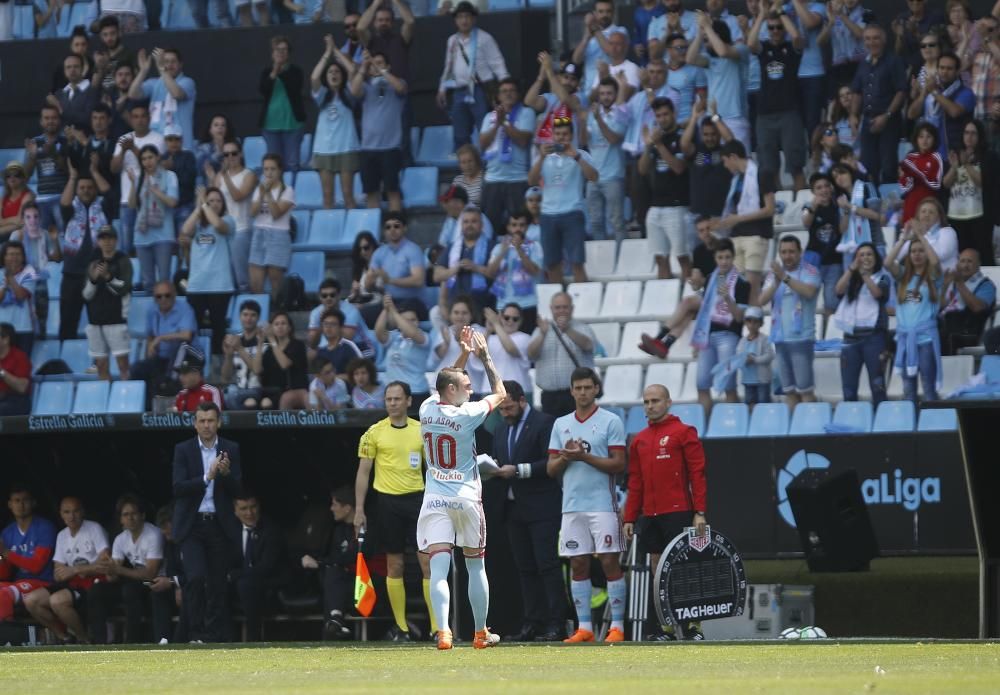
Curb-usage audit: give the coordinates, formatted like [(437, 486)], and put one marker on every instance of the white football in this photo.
[(812, 632), (789, 633)]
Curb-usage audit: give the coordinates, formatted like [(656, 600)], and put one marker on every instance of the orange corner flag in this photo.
[(364, 591)]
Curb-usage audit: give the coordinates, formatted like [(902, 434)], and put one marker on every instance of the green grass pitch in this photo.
[(705, 669)]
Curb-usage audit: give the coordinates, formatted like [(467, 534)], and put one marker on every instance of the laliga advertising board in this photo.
[(699, 578)]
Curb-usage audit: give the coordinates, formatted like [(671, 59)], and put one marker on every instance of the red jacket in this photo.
[(666, 470), (188, 399)]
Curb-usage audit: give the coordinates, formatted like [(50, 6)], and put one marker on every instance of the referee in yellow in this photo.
[(394, 447)]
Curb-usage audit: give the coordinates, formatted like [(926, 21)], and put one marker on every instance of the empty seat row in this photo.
[(65, 397), (334, 230)]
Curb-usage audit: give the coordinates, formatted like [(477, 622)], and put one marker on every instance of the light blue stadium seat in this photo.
[(691, 414), (437, 147), (138, 307), (728, 420), (127, 397), (11, 153), (990, 366), (176, 14), (91, 397), (54, 280), (204, 343), (854, 414), (265, 309), (288, 177), (52, 321), (303, 224), (365, 219), (308, 191), (894, 416), (310, 266), (54, 398), (43, 351), (636, 420), (419, 186), (254, 147), (326, 231), (414, 141), (904, 148), (769, 420), (74, 354), (305, 151), (81, 13), (938, 420), (357, 188), (617, 410), (810, 418), (505, 5), (24, 21), (887, 190)]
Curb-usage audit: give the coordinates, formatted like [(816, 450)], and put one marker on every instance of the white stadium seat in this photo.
[(621, 297), (829, 387), (545, 293), (601, 257), (669, 374), (608, 335), (586, 299), (629, 348), (622, 385), (659, 299), (689, 392), (635, 262)]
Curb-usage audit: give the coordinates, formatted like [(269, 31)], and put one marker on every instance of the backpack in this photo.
[(293, 293)]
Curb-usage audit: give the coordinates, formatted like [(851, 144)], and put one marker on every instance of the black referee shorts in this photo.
[(397, 521), (656, 532)]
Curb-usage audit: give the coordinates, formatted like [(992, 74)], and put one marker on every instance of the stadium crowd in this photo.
[(695, 129)]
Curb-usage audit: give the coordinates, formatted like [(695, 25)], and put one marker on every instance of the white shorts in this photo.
[(452, 520), (104, 340), (666, 231), (586, 533)]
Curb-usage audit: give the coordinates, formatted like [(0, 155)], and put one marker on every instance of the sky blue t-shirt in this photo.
[(640, 113), (397, 262), (165, 110), (608, 158), (210, 270), (793, 304), (508, 164), (586, 489), (594, 54), (335, 130), (15, 312), (727, 83), (405, 360), (381, 115), (658, 27), (812, 55), (917, 306), (563, 183), (179, 318), (685, 80), (513, 283), (164, 232)]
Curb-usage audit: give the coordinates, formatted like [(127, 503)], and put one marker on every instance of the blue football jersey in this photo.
[(38, 542)]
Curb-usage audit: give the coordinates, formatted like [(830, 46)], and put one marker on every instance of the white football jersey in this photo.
[(149, 546), (83, 548), (449, 435)]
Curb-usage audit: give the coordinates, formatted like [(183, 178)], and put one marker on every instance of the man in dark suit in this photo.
[(260, 560), (532, 510), (207, 475)]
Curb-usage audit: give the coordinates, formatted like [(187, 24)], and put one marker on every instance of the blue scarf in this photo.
[(76, 228), (479, 257), (906, 347), (502, 148), (858, 232), (724, 370), (777, 330), (703, 322)]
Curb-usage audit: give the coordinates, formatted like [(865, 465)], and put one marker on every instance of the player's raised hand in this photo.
[(479, 344), (465, 339)]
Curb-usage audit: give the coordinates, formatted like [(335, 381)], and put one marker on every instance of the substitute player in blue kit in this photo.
[(587, 448), (452, 510)]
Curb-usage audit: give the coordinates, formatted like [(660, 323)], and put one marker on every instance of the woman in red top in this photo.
[(16, 194), (920, 173)]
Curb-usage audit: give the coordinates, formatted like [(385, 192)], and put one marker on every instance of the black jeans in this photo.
[(206, 554), (500, 200), (140, 604), (216, 306), (534, 546), (880, 151), (70, 305), (558, 403)]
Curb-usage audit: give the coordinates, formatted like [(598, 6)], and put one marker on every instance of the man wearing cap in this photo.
[(565, 99), (505, 138), (194, 390), (472, 59), (107, 292), (594, 46)]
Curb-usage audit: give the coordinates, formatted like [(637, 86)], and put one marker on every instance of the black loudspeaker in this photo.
[(833, 522)]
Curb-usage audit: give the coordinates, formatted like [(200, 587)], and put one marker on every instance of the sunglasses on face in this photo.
[(775, 27), (829, 131), (350, 26), (228, 153), (928, 45)]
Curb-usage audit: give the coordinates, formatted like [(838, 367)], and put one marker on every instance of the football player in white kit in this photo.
[(452, 510), (587, 449)]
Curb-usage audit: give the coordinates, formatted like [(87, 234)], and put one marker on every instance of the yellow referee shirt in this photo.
[(398, 453)]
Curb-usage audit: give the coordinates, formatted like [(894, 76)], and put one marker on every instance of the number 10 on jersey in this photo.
[(440, 450)]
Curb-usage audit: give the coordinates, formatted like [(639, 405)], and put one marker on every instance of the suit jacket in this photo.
[(267, 552), (539, 496), (189, 488)]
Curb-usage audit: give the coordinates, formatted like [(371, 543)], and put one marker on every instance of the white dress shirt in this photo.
[(489, 62), (208, 455)]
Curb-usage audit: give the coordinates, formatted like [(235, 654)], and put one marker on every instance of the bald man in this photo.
[(666, 485), (558, 347), (966, 304)]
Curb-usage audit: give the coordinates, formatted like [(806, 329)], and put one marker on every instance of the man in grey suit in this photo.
[(532, 511), (207, 476)]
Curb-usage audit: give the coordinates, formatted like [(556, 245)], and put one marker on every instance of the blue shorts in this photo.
[(721, 346), (795, 366), (563, 237), (271, 248)]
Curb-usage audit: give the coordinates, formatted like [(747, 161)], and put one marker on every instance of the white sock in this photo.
[(580, 590), (440, 593), (479, 591)]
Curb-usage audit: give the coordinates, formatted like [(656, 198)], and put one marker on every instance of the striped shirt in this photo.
[(554, 364), (985, 82), (474, 188)]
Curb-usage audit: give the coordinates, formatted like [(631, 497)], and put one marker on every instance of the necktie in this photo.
[(248, 549), (512, 441)]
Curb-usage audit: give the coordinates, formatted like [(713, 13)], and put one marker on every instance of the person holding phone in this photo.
[(206, 476)]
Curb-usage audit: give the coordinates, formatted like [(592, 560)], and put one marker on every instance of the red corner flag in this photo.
[(364, 592)]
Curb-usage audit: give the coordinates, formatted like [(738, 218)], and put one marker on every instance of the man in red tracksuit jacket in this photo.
[(666, 484)]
